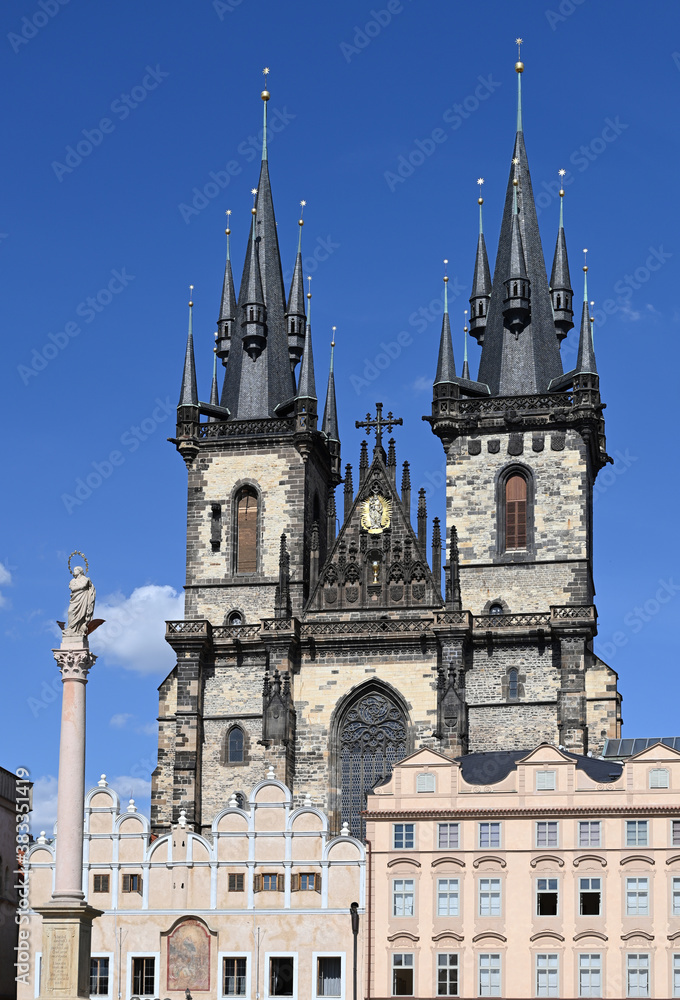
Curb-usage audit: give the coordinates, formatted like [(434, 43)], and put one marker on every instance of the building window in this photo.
[(675, 897), (246, 519), (590, 897), (281, 976), (489, 975), (329, 976), (99, 977), (516, 512), (489, 898), (590, 975), (637, 897), (306, 882), (101, 883), (636, 833), (404, 836), (236, 883), (496, 609), (234, 977), (545, 781), (546, 897), (144, 976), (447, 897), (235, 618), (235, 746), (589, 833), (447, 836), (132, 883), (513, 685), (489, 834), (403, 897), (447, 975), (547, 970), (658, 777), (547, 833), (268, 882), (637, 975), (425, 783), (676, 975), (402, 975)]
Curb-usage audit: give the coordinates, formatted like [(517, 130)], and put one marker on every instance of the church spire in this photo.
[(446, 367), (295, 311), (188, 395), (253, 322), (227, 315), (329, 424), (585, 362), (560, 281), (466, 367), (520, 352), (307, 387), (481, 281)]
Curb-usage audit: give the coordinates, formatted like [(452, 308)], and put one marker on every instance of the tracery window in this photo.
[(235, 746), (372, 739)]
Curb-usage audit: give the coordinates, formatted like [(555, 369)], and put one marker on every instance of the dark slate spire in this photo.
[(585, 362), (527, 362), (466, 367), (254, 387), (295, 311), (307, 386), (227, 317), (188, 395), (481, 282), (253, 308), (329, 424), (560, 282), (446, 366), (516, 301), (214, 393)]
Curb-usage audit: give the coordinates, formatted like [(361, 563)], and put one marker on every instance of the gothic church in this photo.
[(332, 652)]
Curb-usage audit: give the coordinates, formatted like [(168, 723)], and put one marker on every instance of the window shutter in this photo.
[(294, 883), (246, 529), (317, 882), (516, 513), (139, 883), (257, 883), (126, 883), (236, 883), (280, 883)]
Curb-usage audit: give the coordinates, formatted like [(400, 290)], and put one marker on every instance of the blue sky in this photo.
[(99, 244)]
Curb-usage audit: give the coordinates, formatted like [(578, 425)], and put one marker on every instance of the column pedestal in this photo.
[(66, 944)]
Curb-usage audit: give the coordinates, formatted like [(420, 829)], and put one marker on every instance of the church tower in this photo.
[(327, 643), (524, 444)]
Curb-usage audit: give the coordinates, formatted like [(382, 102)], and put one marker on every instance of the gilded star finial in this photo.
[(585, 259), (519, 65), (515, 160), (480, 181), (253, 191), (265, 71), (562, 172)]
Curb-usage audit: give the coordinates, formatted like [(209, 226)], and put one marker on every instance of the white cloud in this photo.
[(628, 313), (134, 634), (120, 720), (422, 384), (5, 579), (147, 728), (44, 814), (129, 787)]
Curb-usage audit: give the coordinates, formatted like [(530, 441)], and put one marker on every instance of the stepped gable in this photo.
[(350, 580)]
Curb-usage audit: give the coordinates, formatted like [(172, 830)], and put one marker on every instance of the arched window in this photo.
[(235, 746), (496, 609), (235, 618), (372, 738), (246, 531), (516, 512), (513, 685)]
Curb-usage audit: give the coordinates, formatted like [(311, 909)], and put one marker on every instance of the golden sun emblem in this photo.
[(376, 514)]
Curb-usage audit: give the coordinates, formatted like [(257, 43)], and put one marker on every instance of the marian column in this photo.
[(67, 918)]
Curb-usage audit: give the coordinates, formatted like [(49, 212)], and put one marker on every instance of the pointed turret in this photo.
[(329, 424), (253, 308), (306, 394), (214, 392), (585, 362), (295, 311), (188, 395), (258, 377), (466, 367), (228, 307), (560, 281), (446, 367), (521, 356), (481, 282)]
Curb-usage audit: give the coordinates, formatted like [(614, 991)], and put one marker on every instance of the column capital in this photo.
[(74, 664)]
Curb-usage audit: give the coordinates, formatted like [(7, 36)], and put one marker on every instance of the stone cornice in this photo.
[(516, 812)]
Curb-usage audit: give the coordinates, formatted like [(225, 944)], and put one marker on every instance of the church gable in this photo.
[(377, 562)]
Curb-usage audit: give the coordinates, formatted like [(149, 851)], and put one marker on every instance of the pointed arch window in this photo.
[(513, 685), (246, 530), (234, 746), (516, 512)]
